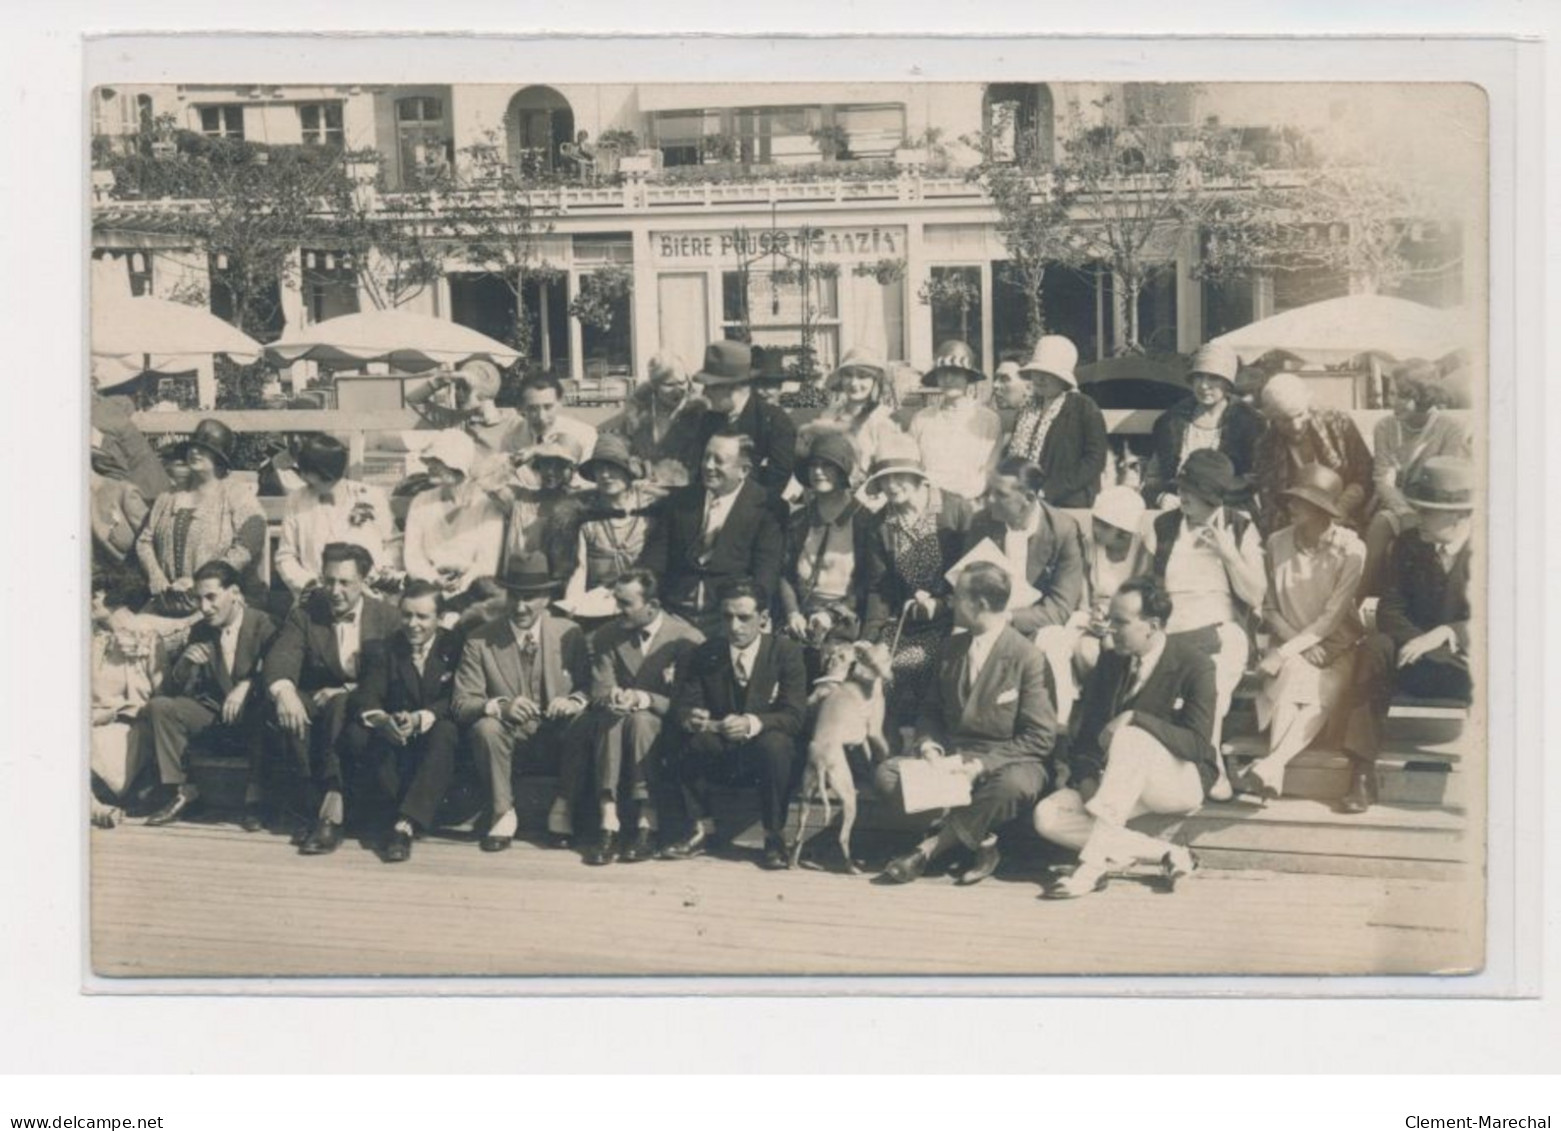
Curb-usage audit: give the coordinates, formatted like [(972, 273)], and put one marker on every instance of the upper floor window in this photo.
[(321, 123), (1020, 122), (422, 141), (680, 134), (1157, 103), (223, 121), (872, 131)]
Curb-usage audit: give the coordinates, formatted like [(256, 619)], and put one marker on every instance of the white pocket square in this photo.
[(1007, 697), (1178, 705)]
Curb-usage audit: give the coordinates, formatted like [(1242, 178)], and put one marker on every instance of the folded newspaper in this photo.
[(933, 783), (1024, 594)]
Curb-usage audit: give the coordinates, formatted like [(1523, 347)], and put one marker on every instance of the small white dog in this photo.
[(850, 701)]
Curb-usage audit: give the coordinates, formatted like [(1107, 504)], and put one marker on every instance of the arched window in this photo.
[(1021, 120), (539, 120)]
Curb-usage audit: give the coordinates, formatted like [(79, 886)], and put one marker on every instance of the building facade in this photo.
[(837, 215)]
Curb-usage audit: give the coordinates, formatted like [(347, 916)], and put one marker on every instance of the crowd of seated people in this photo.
[(648, 609)]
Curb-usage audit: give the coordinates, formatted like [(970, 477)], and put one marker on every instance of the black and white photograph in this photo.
[(786, 528)]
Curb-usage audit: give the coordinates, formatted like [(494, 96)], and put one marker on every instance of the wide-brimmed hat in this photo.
[(832, 447), (726, 363), (957, 356), (1214, 359), (557, 445), (453, 448), (1121, 507), (1285, 394), (1209, 474), (528, 576), (1321, 486), (1056, 355), (214, 437), (857, 358), (1443, 483), (611, 450), (898, 456)]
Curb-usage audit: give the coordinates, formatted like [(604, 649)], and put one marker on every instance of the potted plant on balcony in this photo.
[(834, 144)]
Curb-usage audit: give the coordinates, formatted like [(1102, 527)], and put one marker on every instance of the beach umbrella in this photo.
[(131, 336), (407, 342), (1135, 381), (1339, 329)]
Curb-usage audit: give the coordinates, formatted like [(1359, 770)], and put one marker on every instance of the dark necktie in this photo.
[(644, 635), (345, 618), (328, 499)]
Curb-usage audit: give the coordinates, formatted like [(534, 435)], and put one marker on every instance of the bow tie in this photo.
[(345, 618), (528, 644), (644, 635), (328, 499)]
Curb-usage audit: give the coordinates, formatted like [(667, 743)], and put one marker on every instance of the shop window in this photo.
[(265, 316), (1157, 312), (608, 349), (771, 311), (330, 285), (957, 306), (321, 123), (223, 121), (1306, 286), (1228, 304), (1078, 303)]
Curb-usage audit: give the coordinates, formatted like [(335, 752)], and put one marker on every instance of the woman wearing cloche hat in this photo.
[(1315, 566), (863, 408), (613, 522), (210, 517), (819, 572), (958, 437), (1210, 416), (1061, 430)]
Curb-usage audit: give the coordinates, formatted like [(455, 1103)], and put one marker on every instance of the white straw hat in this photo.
[(1056, 355)]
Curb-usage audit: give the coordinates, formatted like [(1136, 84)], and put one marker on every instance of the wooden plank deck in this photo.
[(208, 900)]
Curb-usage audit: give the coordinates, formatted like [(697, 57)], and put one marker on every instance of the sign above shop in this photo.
[(734, 244)]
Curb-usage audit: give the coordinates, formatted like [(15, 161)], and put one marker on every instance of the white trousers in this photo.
[(1141, 777)]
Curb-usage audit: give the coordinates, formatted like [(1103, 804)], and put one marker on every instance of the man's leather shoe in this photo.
[(775, 859), (643, 847), (904, 869), (558, 840), (494, 843), (1361, 794), (323, 840), (254, 819), (398, 847), (1249, 786), (169, 813), (603, 851), (689, 847), (987, 860)]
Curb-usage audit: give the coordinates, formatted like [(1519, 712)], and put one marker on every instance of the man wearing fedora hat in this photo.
[(310, 670), (1421, 646), (1061, 430), (211, 517), (727, 377), (1210, 416), (520, 694), (958, 437), (328, 508)]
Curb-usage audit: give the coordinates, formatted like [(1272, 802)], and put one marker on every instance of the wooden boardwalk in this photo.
[(209, 900)]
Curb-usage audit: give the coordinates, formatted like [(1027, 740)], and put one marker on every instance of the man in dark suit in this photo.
[(989, 711), (634, 662), (520, 695), (1144, 745), (1042, 543), (398, 717), (727, 377), (1421, 646), (310, 671), (208, 695), (722, 529), (742, 699)]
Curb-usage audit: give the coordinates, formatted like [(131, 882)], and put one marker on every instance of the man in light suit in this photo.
[(520, 694), (724, 528), (399, 719), (1144, 745), (991, 710), (742, 701), (1042, 543), (310, 671), (634, 662), (208, 694)]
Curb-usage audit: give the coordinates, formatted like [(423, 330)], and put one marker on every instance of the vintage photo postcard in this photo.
[(786, 528)]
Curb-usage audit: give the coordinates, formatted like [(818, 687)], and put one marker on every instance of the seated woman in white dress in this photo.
[(328, 508), (454, 531), (1315, 565), (1116, 553), (127, 667)]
